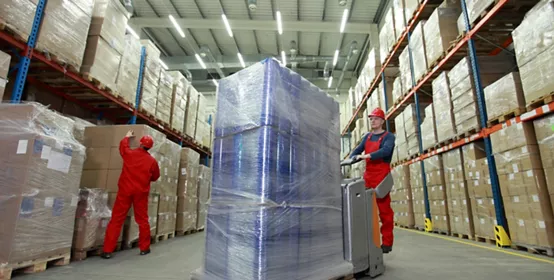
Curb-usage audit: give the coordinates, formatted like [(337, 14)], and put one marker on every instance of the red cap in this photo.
[(377, 112), (147, 141)]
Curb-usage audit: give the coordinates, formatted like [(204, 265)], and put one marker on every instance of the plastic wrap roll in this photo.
[(534, 35), (387, 37), (275, 209)]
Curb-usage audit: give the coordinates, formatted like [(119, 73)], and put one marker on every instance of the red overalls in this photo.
[(375, 171)]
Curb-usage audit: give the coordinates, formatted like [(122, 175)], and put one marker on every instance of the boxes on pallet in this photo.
[(39, 183), (109, 20), (204, 189), (442, 107), (523, 185), (385, 101), (168, 161), (459, 204), (167, 214), (372, 67), (200, 117), (399, 18), (405, 71), (91, 219), (179, 102), (436, 189), (151, 80), (428, 130), (537, 77), (505, 96), (374, 99), (79, 129), (192, 110), (545, 139), (417, 46), (128, 72), (401, 140), (411, 128), (401, 196), (101, 62), (187, 191), (440, 31), (387, 37), (418, 198), (474, 9), (165, 96), (410, 7), (4, 68), (397, 91)]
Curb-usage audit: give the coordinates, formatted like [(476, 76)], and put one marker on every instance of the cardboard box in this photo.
[(536, 76), (387, 36), (109, 20), (417, 45), (442, 108), (101, 61), (512, 137), (128, 72), (440, 30), (405, 71), (531, 36), (504, 96), (5, 60)]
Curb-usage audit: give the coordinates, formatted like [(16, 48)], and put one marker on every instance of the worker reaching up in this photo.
[(139, 169), (378, 146)]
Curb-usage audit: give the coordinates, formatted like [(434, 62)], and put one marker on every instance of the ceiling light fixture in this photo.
[(284, 58), (330, 82), (241, 60), (130, 30), (336, 58), (215, 82), (164, 65), (227, 25), (279, 23), (343, 21), (172, 19), (200, 61)]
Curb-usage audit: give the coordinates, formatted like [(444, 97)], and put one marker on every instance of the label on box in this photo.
[(74, 201), (3, 82), (519, 126), (530, 173), (435, 202), (503, 132), (433, 189), (470, 174), (479, 201), (477, 174), (456, 219), (444, 218), (155, 199), (461, 185), (454, 202), (476, 183), (516, 198), (440, 188), (511, 176), (59, 162), (183, 171), (45, 152), (465, 202), (535, 198), (521, 223), (442, 202), (453, 186), (492, 201), (489, 181), (542, 224), (22, 147), (467, 220), (482, 221), (49, 202), (524, 149), (165, 171), (514, 166)]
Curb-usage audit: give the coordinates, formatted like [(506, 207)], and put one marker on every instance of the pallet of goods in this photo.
[(440, 31), (428, 130), (128, 71), (418, 199), (151, 78), (179, 103), (187, 192), (165, 97), (204, 189), (4, 69), (459, 206), (401, 197), (436, 190), (504, 99), (443, 108), (192, 112), (387, 36)]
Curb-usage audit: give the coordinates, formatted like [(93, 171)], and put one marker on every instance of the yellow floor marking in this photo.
[(480, 246)]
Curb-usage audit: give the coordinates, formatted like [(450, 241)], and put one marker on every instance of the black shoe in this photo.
[(386, 249), (142, 253), (106, 255)]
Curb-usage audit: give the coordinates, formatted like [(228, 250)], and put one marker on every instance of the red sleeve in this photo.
[(124, 147), (154, 172)]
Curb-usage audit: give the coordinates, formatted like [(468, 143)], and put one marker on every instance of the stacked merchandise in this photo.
[(417, 46), (91, 220), (204, 188), (405, 71), (523, 185), (440, 31), (192, 112), (418, 197), (105, 42), (387, 35), (4, 69), (201, 120), (463, 92), (397, 91), (505, 96), (436, 189), (372, 68), (187, 191), (385, 100), (268, 152), (474, 10), (411, 128), (534, 49), (128, 72), (545, 139), (428, 130), (79, 129), (39, 183), (168, 157), (179, 103), (442, 108), (399, 18), (401, 197), (410, 7), (476, 173), (459, 206), (151, 79), (374, 99), (401, 141), (165, 96)]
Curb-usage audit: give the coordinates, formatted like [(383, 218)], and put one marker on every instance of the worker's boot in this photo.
[(386, 249), (106, 255), (145, 252)]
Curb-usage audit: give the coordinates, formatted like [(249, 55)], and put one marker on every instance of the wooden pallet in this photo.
[(100, 85), (12, 30), (544, 100), (185, 232), (534, 249), (441, 232), (83, 254), (53, 57), (462, 236), (34, 266), (506, 116), (467, 133), (163, 237), (420, 228), (445, 142), (485, 240), (404, 226)]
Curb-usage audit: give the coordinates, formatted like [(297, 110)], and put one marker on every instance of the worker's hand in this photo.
[(130, 134), (366, 156)]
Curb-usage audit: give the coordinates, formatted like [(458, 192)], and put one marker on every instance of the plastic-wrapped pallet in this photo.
[(260, 214), (411, 127), (4, 69), (372, 66), (534, 49), (474, 9), (204, 188), (192, 110), (428, 131), (440, 30), (397, 91), (179, 102), (91, 220), (523, 185), (417, 46), (386, 95), (165, 96), (399, 18), (401, 196), (436, 189), (113, 29), (127, 75), (405, 71), (459, 204), (39, 182), (505, 96), (151, 80), (545, 139), (168, 161), (201, 119), (387, 37), (442, 107), (410, 7), (187, 191), (418, 199), (401, 140), (101, 62)]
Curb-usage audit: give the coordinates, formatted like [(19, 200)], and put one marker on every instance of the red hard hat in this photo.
[(147, 141), (377, 112)]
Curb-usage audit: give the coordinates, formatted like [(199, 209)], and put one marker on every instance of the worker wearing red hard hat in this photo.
[(378, 146), (139, 169)]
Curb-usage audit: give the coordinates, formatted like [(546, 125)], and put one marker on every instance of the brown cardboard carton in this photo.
[(94, 179), (512, 137), (101, 61), (440, 30), (109, 19), (97, 159), (4, 65), (504, 96)]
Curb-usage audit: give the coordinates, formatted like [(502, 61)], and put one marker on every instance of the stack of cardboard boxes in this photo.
[(545, 140), (442, 107), (151, 80), (436, 188), (523, 185), (428, 131), (401, 196), (165, 97), (504, 96), (385, 95), (166, 186), (397, 91), (200, 134), (387, 35), (418, 198), (459, 205), (401, 141), (204, 190), (187, 191), (192, 112), (417, 46), (179, 103), (405, 71), (4, 69), (128, 72), (441, 30), (412, 128)]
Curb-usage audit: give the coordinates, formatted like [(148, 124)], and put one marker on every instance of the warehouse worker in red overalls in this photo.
[(139, 169), (378, 146)]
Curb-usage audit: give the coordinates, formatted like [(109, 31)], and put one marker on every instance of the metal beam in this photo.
[(246, 24)]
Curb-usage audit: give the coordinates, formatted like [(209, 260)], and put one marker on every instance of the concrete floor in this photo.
[(416, 256)]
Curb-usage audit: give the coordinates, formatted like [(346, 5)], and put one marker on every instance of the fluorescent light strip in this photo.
[(164, 65), (241, 60), (279, 23), (336, 58), (130, 30), (343, 21), (283, 58), (172, 19), (330, 82), (227, 25), (215, 82), (200, 61)]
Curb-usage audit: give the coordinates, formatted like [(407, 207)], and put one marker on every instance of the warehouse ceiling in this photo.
[(207, 48)]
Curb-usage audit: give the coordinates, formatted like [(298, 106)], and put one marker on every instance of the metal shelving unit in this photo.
[(39, 70)]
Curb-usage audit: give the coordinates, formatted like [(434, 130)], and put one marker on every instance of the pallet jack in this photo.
[(361, 229)]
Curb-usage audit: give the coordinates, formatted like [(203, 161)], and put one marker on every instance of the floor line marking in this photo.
[(480, 246)]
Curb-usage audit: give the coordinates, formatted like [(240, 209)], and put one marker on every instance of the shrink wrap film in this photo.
[(192, 110), (537, 76), (401, 196), (91, 218), (101, 61), (399, 18), (428, 131), (397, 90), (535, 33), (418, 199), (504, 96), (127, 75), (418, 48), (440, 31), (109, 20), (544, 131), (410, 7), (387, 37)]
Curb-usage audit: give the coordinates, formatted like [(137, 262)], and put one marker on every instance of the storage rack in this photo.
[(41, 71), (465, 46)]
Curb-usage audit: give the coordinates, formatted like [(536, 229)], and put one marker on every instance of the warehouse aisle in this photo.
[(416, 256)]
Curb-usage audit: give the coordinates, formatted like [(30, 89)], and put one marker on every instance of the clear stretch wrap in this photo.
[(200, 117), (127, 75), (474, 9), (179, 103), (417, 46), (442, 106), (399, 18), (101, 61), (537, 76), (204, 188), (109, 20), (410, 7), (401, 196), (39, 182), (428, 131), (91, 218), (187, 191), (386, 91), (411, 127), (545, 139), (152, 64), (440, 31), (372, 67), (523, 185), (459, 207), (406, 71), (504, 96), (275, 210), (397, 90), (401, 140), (4, 68), (418, 199), (534, 35), (387, 37), (165, 96), (436, 189), (192, 110), (79, 129)]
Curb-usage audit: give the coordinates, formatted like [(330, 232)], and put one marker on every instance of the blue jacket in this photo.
[(385, 149)]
